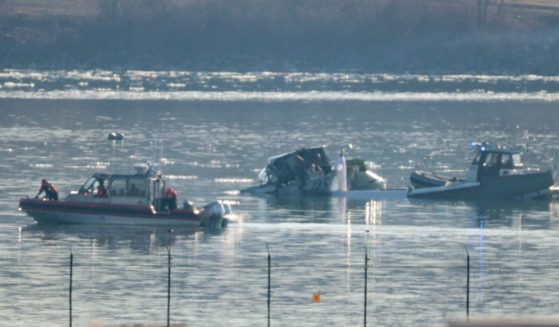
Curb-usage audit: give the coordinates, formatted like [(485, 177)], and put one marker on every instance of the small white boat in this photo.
[(495, 173), (130, 199)]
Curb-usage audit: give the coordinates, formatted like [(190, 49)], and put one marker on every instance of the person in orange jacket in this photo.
[(171, 198)]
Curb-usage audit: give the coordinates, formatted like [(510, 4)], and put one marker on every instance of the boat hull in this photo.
[(530, 185), (361, 182), (87, 213)]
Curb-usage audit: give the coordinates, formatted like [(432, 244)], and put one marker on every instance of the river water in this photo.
[(212, 132)]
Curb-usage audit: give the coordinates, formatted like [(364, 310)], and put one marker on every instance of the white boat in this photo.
[(131, 199), (495, 173)]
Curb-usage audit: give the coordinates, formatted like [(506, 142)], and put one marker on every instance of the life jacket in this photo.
[(51, 188), (48, 188), (170, 193)]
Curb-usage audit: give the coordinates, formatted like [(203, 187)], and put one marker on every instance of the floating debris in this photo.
[(115, 136)]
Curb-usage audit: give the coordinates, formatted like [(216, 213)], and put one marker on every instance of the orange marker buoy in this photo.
[(316, 297)]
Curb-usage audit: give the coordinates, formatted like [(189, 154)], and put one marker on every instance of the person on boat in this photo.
[(50, 191), (101, 190), (170, 197)]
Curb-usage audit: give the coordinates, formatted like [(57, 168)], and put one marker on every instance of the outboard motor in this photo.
[(214, 214), (187, 204)]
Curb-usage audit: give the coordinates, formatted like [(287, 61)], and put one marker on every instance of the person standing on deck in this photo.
[(171, 198)]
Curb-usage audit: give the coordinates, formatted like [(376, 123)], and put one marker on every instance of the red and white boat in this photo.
[(130, 199)]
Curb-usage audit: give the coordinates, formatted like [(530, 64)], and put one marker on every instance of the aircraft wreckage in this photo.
[(309, 171)]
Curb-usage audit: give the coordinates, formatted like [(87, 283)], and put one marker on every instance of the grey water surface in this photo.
[(212, 145)]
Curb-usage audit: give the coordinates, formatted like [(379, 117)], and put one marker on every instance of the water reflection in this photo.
[(531, 214), (311, 209), (368, 211), (523, 221), (141, 239), (314, 203), (495, 213), (373, 213)]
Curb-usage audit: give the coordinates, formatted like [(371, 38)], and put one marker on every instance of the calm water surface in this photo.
[(212, 149)]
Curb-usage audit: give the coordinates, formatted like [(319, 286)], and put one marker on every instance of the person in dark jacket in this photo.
[(101, 190), (50, 191)]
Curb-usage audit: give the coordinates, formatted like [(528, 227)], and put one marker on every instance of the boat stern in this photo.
[(214, 214)]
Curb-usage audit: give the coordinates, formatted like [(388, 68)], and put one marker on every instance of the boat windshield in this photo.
[(88, 185), (491, 159), (477, 159)]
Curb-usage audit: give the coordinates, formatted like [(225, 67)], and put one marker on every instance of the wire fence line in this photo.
[(176, 289), (372, 266)]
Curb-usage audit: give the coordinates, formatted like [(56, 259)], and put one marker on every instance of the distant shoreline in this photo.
[(430, 36)]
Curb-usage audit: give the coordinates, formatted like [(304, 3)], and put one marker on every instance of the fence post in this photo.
[(169, 280), (366, 279), (467, 283), (169, 289), (365, 302), (70, 288), (269, 281)]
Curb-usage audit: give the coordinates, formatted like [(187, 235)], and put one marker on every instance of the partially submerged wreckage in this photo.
[(309, 171)]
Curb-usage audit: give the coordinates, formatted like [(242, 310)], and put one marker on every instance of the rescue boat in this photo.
[(130, 199), (495, 173)]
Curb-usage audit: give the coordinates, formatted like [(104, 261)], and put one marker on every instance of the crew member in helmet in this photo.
[(50, 191), (170, 196)]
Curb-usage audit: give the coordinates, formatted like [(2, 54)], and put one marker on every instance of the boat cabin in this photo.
[(494, 162), (145, 187)]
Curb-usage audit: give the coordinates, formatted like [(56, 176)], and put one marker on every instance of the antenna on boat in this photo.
[(524, 141), (117, 142), (161, 141)]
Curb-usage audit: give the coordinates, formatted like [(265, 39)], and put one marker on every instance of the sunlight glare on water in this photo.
[(273, 86)]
